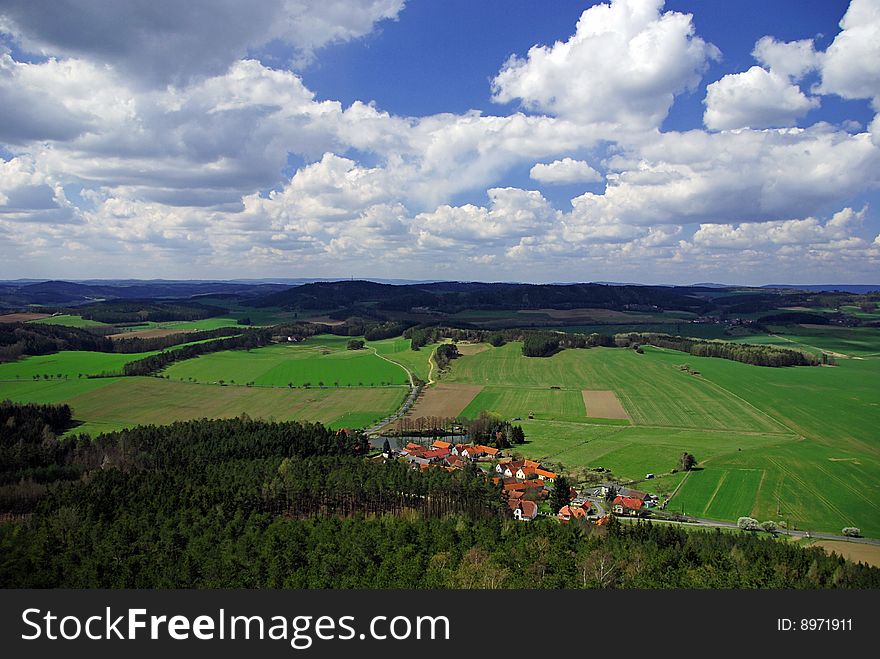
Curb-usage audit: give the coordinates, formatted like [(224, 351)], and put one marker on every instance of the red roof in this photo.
[(568, 512), (441, 444), (436, 453), (628, 502), (544, 473)]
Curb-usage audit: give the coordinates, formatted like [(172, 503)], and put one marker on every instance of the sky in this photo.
[(502, 140)]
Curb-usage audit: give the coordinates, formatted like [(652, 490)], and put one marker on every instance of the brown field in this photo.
[(603, 405), (445, 400), (471, 348), (21, 317), (148, 334), (852, 551)]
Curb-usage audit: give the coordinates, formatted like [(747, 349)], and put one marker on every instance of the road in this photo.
[(699, 521)]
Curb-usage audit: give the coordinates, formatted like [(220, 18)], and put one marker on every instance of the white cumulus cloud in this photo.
[(564, 171), (624, 65)]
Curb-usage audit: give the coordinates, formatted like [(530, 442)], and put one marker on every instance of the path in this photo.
[(410, 399)]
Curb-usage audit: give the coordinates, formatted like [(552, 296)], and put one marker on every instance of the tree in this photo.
[(561, 494), (748, 524), (768, 526), (687, 462), (355, 344), (386, 447), (852, 532)]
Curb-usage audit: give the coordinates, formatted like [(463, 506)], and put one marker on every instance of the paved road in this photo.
[(699, 521)]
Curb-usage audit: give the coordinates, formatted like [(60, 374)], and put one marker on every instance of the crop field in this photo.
[(445, 401), (652, 392), (320, 361), (109, 404), (21, 317), (789, 444), (68, 364), (511, 402), (844, 341)]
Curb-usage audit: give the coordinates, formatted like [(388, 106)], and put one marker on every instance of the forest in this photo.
[(241, 503)]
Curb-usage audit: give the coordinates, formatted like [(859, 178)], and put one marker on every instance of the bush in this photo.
[(355, 344), (748, 524), (768, 526), (852, 532)]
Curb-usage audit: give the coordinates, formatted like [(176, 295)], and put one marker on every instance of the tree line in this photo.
[(247, 340), (756, 355)]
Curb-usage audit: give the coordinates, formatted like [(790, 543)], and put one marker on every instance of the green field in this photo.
[(68, 364), (846, 341), (548, 404), (320, 361), (109, 404), (70, 321), (398, 350), (794, 444)]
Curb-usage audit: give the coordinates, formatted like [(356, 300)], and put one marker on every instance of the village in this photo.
[(526, 484)]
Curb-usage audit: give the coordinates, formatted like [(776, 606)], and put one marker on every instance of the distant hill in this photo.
[(451, 297)]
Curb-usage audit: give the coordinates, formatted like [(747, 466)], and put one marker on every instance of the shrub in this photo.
[(852, 532), (748, 524)]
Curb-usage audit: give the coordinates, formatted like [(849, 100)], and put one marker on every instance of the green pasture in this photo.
[(68, 364), (652, 392), (510, 402), (69, 320), (850, 341), (319, 361)]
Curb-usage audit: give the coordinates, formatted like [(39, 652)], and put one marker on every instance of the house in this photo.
[(545, 475), (471, 452), (454, 461), (524, 472), (487, 450), (512, 467), (435, 455), (524, 511), (626, 505), (568, 513), (441, 444)]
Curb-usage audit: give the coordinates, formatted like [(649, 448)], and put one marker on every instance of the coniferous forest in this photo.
[(241, 503)]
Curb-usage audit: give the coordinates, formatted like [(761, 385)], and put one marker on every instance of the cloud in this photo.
[(564, 171), (170, 42), (755, 99), (850, 67), (792, 59), (624, 65)]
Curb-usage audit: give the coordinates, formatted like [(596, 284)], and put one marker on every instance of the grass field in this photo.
[(846, 341), (792, 444), (113, 403), (323, 359), (68, 364), (70, 321)]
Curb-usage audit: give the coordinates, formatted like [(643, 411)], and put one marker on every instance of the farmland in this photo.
[(68, 364), (322, 360), (790, 444), (109, 404)]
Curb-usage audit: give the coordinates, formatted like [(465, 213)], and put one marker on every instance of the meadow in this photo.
[(320, 361), (103, 405), (68, 364), (70, 320)]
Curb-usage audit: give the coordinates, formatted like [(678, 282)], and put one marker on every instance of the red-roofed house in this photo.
[(487, 450), (523, 510), (626, 506), (545, 475), (526, 472), (440, 444), (568, 513)]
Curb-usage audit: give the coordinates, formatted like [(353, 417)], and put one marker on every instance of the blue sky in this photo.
[(640, 140)]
